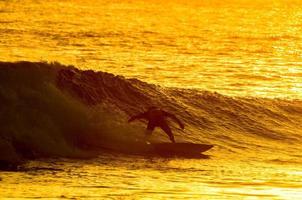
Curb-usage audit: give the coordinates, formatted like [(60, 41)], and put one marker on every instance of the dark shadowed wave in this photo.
[(48, 109)]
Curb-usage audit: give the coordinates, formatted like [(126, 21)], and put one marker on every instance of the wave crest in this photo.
[(51, 109)]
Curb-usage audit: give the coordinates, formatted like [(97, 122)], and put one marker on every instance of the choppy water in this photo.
[(239, 49), (114, 176)]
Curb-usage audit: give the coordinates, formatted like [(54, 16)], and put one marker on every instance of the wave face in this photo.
[(55, 110)]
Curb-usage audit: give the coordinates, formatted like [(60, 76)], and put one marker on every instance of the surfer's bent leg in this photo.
[(168, 131), (149, 130)]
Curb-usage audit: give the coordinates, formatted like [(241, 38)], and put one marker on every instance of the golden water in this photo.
[(131, 177), (233, 47)]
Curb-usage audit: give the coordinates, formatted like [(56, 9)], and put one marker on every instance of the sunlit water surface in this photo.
[(236, 48), (114, 176)]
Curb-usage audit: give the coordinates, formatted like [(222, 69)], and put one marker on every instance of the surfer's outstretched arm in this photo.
[(139, 116), (181, 125)]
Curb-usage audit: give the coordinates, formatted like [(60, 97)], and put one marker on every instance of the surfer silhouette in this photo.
[(157, 118)]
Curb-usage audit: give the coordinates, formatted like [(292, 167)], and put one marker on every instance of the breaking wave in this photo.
[(48, 109)]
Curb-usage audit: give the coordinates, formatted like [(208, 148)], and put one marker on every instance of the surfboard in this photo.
[(181, 149), (164, 149)]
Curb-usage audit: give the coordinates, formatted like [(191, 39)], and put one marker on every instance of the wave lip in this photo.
[(37, 119)]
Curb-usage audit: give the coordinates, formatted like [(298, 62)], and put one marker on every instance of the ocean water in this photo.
[(231, 71), (238, 47)]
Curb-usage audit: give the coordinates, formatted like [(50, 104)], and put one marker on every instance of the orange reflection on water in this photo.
[(236, 47)]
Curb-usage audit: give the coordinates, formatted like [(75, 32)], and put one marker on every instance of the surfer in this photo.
[(157, 118)]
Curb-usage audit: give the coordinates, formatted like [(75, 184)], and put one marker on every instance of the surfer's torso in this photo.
[(156, 116)]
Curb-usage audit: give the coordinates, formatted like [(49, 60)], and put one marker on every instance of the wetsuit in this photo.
[(157, 118)]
